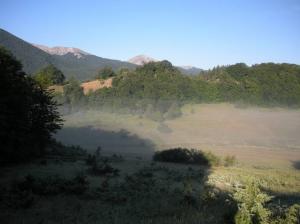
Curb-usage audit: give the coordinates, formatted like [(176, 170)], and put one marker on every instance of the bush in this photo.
[(290, 215), (213, 159), (251, 203), (78, 185), (187, 156), (102, 168), (51, 185), (293, 215), (91, 160), (230, 161), (58, 149)]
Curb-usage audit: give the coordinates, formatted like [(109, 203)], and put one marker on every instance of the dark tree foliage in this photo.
[(28, 115), (158, 90), (49, 75), (153, 90), (73, 94), (182, 155), (238, 70), (105, 73)]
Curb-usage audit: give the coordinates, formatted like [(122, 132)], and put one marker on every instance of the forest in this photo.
[(158, 89)]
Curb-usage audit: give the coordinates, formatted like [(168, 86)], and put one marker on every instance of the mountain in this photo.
[(141, 60), (144, 59), (31, 57), (72, 62), (190, 70), (62, 50)]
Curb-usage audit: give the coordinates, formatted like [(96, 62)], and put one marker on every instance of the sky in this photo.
[(202, 33)]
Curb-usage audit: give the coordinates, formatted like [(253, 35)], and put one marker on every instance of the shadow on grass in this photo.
[(296, 165), (121, 142), (284, 198)]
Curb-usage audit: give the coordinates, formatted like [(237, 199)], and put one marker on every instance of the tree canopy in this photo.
[(48, 76), (105, 73), (28, 115), (158, 89)]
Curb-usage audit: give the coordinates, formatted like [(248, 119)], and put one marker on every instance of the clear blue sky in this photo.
[(186, 32)]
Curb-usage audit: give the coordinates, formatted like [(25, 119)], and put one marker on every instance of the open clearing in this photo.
[(265, 137)]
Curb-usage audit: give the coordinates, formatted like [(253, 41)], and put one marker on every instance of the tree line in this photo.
[(158, 89)]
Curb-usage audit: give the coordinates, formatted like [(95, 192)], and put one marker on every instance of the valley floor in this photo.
[(268, 137)]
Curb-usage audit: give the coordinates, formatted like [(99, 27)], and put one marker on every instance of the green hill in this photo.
[(33, 59)]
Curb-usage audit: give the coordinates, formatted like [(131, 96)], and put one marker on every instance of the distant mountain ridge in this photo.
[(144, 59), (62, 50), (73, 62), (141, 59), (190, 70)]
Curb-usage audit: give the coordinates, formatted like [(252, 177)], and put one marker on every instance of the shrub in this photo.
[(78, 185), (58, 149), (290, 216), (230, 161), (51, 185), (213, 159), (102, 168), (293, 215), (187, 156), (176, 155), (251, 205), (91, 160)]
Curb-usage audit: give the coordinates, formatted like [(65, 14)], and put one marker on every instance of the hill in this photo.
[(141, 60), (31, 57), (71, 61), (190, 70), (144, 59)]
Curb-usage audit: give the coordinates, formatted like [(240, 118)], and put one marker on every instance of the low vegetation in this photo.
[(192, 156), (143, 191)]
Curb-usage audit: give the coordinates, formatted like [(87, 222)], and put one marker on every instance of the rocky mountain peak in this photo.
[(62, 50)]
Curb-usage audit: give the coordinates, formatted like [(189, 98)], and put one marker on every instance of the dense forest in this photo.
[(158, 89)]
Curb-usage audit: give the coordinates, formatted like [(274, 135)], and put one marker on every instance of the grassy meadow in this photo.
[(131, 188), (256, 136)]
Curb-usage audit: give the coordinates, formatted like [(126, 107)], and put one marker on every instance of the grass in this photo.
[(221, 128), (145, 192), (265, 143)]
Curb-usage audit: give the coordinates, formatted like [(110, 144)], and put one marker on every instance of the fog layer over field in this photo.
[(257, 136)]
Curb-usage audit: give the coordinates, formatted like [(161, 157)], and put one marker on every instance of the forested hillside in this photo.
[(31, 57), (159, 89), (34, 59)]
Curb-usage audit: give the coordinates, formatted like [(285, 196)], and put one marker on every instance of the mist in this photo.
[(223, 128)]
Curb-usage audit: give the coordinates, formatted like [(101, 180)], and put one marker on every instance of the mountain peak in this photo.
[(141, 59), (62, 50)]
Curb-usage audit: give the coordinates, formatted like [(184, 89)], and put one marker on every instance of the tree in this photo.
[(73, 94), (105, 73), (28, 114), (251, 203), (48, 76)]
